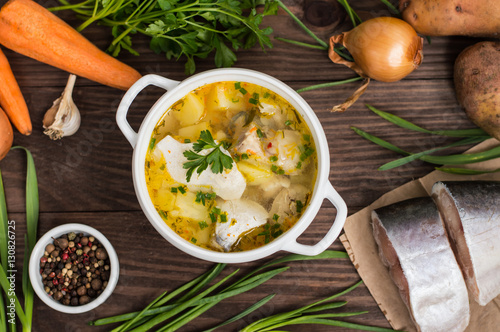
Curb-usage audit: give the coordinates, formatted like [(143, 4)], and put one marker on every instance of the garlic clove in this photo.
[(63, 118)]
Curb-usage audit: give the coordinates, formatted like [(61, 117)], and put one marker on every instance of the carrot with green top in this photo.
[(30, 29), (12, 99)]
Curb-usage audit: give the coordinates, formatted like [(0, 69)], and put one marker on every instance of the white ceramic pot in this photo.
[(175, 91), (36, 278)]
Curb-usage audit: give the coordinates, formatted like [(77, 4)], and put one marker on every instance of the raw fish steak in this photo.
[(471, 210), (413, 243)]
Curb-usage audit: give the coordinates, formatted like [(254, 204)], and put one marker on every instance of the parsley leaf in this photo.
[(188, 28), (216, 159)]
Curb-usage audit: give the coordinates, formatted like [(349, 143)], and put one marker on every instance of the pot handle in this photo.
[(128, 98), (332, 195)]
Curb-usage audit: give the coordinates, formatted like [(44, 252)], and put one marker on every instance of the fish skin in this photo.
[(476, 232), (412, 240)]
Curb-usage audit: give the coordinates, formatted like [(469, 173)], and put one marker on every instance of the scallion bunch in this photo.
[(179, 307), (7, 236), (468, 137)]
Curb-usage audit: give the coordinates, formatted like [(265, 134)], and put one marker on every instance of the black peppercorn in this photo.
[(101, 254), (75, 269), (61, 243), (74, 301), (84, 300), (91, 292), (81, 290)]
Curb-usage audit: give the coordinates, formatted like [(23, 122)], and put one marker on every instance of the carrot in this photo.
[(11, 98), (30, 29), (6, 134)]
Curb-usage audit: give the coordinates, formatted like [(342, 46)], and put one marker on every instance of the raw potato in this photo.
[(452, 17), (477, 84)]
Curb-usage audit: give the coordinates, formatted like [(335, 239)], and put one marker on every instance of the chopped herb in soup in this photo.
[(231, 166)]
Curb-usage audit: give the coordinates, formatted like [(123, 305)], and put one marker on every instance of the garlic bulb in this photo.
[(63, 118)]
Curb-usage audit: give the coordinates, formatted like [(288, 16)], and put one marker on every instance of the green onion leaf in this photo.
[(408, 125)]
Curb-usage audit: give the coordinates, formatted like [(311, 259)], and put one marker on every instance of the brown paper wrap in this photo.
[(363, 252)]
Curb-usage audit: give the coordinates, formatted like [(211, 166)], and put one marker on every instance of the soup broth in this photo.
[(231, 166)]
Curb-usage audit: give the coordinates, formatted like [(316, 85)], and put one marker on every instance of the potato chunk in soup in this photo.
[(225, 163)]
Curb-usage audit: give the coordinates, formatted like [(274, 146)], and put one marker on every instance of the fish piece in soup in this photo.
[(228, 184), (250, 142), (241, 216), (289, 202), (287, 145)]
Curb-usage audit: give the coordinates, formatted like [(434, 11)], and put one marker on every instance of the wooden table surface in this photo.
[(86, 178)]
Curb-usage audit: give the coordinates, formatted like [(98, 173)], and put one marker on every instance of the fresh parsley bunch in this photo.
[(217, 159), (190, 28)]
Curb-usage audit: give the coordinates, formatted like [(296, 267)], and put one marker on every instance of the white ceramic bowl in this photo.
[(36, 278), (175, 91)]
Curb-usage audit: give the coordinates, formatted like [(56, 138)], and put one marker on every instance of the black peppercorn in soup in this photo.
[(231, 166)]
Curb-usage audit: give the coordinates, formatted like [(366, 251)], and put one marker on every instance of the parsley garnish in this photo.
[(307, 151), (180, 189), (255, 99), (152, 143), (299, 206), (201, 197), (238, 87), (216, 159)]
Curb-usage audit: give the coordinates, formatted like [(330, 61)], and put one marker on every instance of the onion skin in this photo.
[(386, 49)]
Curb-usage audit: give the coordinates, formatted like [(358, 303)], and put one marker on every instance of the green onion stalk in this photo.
[(10, 306), (179, 307), (468, 137)]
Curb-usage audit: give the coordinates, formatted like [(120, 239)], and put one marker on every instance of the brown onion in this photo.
[(383, 48)]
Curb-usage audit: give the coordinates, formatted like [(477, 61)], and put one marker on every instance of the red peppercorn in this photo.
[(89, 244), (55, 282), (65, 256), (79, 245), (43, 259), (52, 274)]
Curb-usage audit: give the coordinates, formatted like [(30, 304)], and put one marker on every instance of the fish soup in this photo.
[(231, 166)]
